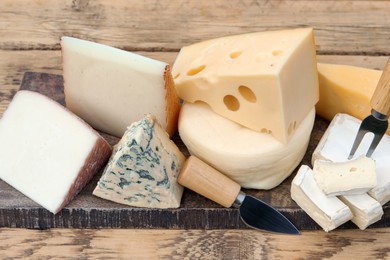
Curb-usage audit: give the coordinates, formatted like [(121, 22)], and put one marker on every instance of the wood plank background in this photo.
[(347, 32)]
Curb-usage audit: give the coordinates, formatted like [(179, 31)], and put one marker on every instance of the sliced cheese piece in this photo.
[(345, 178), (346, 89), (46, 152), (266, 81), (336, 144), (143, 169), (365, 209), (111, 88), (328, 212), (254, 160)]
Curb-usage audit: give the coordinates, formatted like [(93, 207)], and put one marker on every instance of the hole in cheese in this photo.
[(202, 103), (265, 131), (353, 169), (235, 54), (247, 93), (291, 128), (276, 52), (195, 71), (231, 102)]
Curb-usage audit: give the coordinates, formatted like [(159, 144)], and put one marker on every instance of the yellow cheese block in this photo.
[(266, 81), (345, 89)]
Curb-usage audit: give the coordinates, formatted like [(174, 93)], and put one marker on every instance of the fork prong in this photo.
[(374, 144), (359, 137)]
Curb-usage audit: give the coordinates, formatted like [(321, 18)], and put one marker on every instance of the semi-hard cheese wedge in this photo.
[(111, 88), (266, 81), (345, 89), (328, 212), (336, 144), (365, 209), (254, 160), (143, 168), (46, 152), (345, 178)]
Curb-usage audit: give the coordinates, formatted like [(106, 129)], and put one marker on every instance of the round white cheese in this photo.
[(254, 160)]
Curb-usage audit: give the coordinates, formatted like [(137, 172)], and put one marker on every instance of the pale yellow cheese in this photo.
[(254, 160), (112, 88), (265, 81), (345, 89), (351, 177)]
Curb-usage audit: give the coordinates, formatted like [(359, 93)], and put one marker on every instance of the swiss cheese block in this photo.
[(345, 178), (266, 81), (46, 152), (345, 89), (328, 212), (336, 144), (143, 168), (365, 209), (111, 88), (254, 160)]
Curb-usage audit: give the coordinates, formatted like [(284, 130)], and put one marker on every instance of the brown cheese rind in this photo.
[(96, 159), (172, 103)]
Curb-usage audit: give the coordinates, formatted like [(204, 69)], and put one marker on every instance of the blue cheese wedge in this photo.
[(143, 168), (365, 209), (328, 212)]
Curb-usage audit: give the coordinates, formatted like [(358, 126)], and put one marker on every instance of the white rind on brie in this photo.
[(328, 212), (336, 144), (365, 209)]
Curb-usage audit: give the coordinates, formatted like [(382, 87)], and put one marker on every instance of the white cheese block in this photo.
[(143, 169), (111, 88), (365, 209), (328, 212), (254, 160), (345, 178), (266, 81), (46, 152), (336, 144)]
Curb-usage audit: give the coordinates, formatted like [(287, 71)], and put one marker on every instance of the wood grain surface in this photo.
[(191, 244), (347, 32)]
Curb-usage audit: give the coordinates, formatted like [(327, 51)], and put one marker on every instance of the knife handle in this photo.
[(380, 100), (207, 181)]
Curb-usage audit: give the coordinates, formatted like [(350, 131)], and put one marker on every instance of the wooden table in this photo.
[(347, 32)]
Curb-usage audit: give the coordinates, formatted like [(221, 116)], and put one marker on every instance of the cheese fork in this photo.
[(376, 123)]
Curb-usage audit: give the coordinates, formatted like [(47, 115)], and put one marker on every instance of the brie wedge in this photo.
[(328, 212)]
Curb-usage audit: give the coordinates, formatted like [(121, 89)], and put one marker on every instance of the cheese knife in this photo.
[(376, 123), (207, 181)]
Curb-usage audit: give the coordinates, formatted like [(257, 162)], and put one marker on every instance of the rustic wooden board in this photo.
[(196, 212)]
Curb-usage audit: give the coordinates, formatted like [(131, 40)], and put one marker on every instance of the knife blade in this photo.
[(376, 123), (207, 181)]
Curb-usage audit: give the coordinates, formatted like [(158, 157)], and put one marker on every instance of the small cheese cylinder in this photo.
[(143, 168), (265, 81), (46, 152), (254, 160), (345, 178), (111, 88), (336, 144), (328, 212)]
